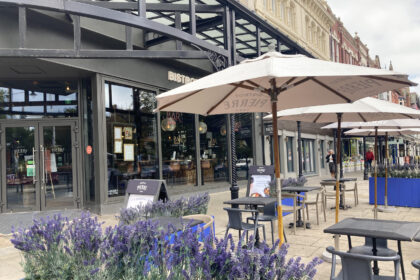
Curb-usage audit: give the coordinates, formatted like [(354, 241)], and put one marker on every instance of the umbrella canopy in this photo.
[(395, 123), (275, 81), (300, 81), (363, 110), (389, 132)]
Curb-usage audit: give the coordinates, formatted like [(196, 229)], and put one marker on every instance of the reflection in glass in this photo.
[(122, 97), (290, 154), (213, 149), (308, 158), (38, 100), (58, 171), (20, 168), (178, 150), (244, 150), (132, 114)]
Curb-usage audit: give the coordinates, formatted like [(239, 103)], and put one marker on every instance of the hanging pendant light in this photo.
[(168, 124), (202, 127)]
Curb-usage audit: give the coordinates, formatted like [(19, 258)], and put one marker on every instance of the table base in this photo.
[(342, 207), (300, 224)]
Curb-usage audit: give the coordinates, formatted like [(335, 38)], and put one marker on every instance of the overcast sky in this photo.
[(390, 28)]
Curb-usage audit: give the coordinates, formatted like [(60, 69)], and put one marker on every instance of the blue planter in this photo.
[(401, 191)]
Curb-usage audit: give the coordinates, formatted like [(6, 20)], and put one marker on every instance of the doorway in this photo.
[(38, 165)]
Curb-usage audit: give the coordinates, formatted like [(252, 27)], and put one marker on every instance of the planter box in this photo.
[(401, 191)]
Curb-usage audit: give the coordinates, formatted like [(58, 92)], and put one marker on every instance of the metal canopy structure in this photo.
[(223, 31)]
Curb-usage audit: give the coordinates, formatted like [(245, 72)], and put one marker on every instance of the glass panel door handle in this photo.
[(42, 150), (34, 164)]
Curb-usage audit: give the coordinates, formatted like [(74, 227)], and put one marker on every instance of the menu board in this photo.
[(259, 186), (142, 191), (259, 180)]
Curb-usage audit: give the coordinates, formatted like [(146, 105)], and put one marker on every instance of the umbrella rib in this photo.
[(249, 87), (256, 85), (178, 100), (224, 98), (361, 116), (408, 116), (388, 80), (286, 85), (330, 89), (317, 117)]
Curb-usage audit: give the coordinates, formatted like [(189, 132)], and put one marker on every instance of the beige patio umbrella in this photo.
[(386, 133), (273, 82), (363, 110)]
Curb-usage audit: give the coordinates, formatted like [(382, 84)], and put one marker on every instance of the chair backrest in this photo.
[(357, 266), (235, 217), (270, 209)]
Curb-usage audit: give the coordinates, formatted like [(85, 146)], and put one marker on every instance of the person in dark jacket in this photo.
[(330, 158)]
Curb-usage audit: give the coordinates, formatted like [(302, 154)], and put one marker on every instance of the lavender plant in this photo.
[(196, 204), (58, 249)]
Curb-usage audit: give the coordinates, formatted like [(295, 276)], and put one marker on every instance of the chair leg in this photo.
[(227, 231), (317, 214), (304, 220), (294, 222), (284, 235), (272, 232), (240, 235), (325, 215), (307, 211), (265, 239)]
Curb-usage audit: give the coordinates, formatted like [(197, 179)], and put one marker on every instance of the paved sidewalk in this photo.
[(307, 243)]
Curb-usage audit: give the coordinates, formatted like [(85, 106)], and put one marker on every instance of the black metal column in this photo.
[(234, 189), (341, 155), (365, 171), (299, 149)]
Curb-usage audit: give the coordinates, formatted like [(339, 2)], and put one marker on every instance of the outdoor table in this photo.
[(299, 189), (332, 182), (384, 229), (253, 202)]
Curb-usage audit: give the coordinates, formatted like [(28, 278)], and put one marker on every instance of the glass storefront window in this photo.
[(213, 148), (290, 154), (178, 148), (308, 155), (38, 99), (322, 153), (131, 136), (244, 145)]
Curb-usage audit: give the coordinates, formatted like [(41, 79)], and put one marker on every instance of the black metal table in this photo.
[(384, 229), (300, 189), (253, 202), (342, 181)]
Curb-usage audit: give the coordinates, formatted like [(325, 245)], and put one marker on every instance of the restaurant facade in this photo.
[(78, 87)]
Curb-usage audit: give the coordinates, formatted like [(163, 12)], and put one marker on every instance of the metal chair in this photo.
[(319, 194), (330, 193), (295, 208), (381, 247), (416, 264), (354, 190), (357, 267), (235, 222), (269, 215)]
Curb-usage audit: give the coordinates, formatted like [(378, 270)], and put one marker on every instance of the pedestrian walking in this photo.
[(369, 158), (331, 162)]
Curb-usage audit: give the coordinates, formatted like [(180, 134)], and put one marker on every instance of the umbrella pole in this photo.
[(375, 210), (337, 179), (277, 160)]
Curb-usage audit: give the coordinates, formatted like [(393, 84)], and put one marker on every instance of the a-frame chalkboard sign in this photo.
[(141, 191)]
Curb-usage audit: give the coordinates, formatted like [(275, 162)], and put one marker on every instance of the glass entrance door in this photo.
[(20, 161), (38, 170), (56, 170)]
